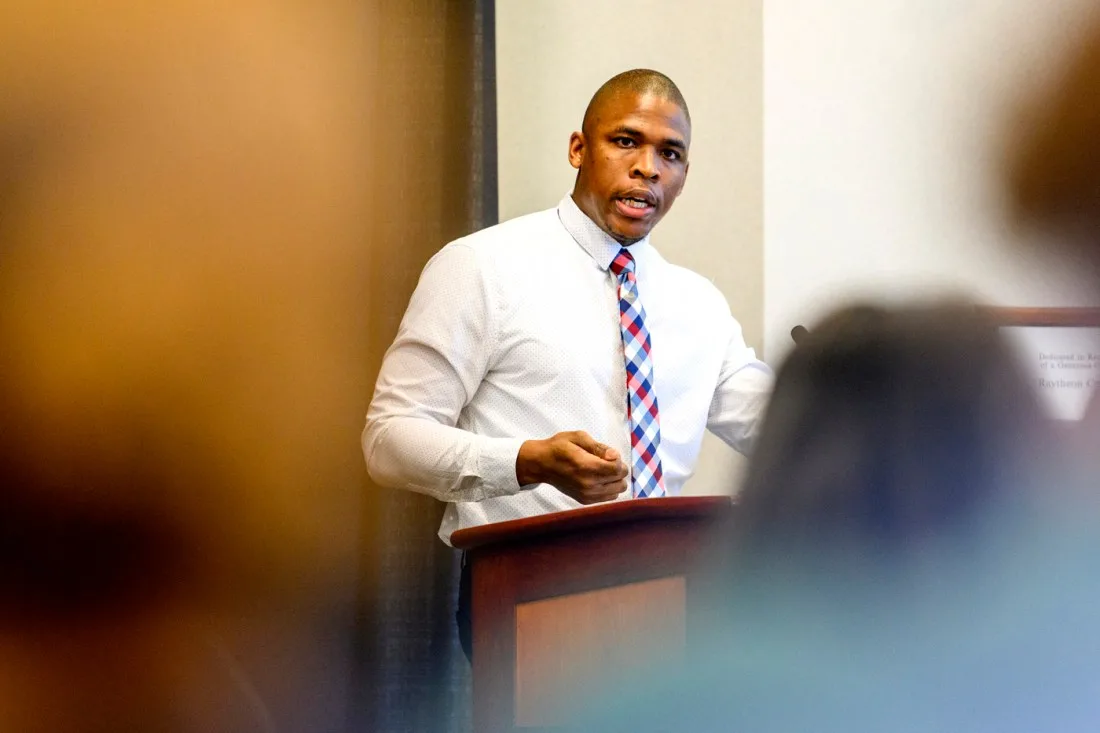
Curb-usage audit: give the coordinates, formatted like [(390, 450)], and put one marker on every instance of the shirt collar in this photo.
[(595, 241)]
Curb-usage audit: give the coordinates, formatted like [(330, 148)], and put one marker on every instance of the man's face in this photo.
[(631, 162)]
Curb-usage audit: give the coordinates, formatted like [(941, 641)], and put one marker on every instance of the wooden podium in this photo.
[(567, 605)]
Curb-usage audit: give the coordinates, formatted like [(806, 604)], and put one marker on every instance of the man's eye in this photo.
[(624, 142), (671, 154)]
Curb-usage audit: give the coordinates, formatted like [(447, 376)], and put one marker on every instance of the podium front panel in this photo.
[(561, 617), (578, 646)]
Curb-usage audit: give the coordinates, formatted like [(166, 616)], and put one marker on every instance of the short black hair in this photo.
[(638, 81)]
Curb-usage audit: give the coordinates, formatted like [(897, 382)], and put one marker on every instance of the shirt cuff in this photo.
[(496, 466)]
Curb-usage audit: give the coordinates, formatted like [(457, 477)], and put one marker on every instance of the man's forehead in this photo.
[(631, 109)]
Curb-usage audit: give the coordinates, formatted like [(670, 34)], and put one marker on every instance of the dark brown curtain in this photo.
[(434, 166)]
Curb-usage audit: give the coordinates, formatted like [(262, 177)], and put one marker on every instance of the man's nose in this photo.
[(645, 164)]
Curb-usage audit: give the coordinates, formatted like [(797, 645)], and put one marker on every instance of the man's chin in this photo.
[(629, 231), (629, 235)]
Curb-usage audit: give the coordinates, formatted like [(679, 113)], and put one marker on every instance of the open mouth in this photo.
[(635, 205)]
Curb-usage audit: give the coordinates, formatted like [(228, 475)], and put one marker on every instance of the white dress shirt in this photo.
[(513, 334)]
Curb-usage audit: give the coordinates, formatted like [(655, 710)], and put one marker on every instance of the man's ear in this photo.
[(576, 149)]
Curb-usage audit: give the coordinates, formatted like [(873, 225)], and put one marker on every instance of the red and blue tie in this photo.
[(646, 476)]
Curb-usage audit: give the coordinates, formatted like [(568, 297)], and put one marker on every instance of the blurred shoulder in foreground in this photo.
[(182, 255)]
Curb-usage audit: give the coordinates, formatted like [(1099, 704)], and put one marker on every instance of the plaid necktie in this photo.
[(646, 477)]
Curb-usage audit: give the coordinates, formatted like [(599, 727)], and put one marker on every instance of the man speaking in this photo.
[(556, 359)]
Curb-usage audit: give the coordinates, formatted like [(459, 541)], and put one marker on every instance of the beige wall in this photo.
[(553, 54)]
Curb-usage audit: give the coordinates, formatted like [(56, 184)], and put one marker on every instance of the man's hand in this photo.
[(575, 464)]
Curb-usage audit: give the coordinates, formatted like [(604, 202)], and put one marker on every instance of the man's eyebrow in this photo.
[(670, 142)]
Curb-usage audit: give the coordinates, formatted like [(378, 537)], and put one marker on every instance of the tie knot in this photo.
[(623, 262)]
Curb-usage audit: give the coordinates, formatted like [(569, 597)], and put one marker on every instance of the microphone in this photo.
[(799, 334)]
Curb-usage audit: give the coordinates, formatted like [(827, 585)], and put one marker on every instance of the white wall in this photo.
[(882, 125), (552, 55)]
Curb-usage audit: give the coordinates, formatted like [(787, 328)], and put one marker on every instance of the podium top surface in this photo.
[(596, 515)]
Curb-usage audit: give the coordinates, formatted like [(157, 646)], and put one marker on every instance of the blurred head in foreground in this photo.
[(888, 427), (895, 442), (181, 345)]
